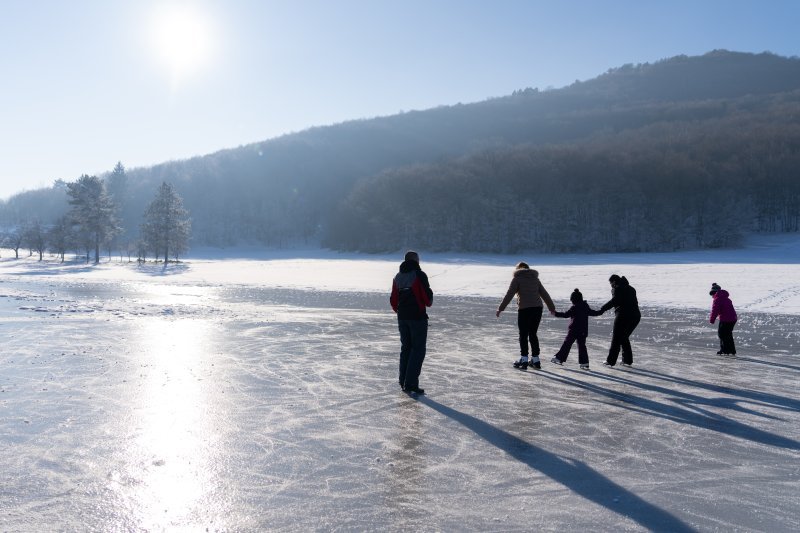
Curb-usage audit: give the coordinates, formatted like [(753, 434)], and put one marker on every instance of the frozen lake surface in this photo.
[(250, 395)]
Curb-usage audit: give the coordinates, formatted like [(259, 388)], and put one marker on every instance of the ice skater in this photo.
[(530, 292), (411, 294), (627, 317), (577, 330), (722, 307)]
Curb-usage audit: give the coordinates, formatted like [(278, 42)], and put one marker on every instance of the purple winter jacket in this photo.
[(722, 307), (579, 313)]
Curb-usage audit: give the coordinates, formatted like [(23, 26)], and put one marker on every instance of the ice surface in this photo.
[(246, 395)]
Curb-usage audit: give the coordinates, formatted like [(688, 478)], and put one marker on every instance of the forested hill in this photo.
[(683, 152)]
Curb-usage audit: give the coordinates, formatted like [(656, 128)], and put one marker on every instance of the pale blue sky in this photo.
[(82, 84)]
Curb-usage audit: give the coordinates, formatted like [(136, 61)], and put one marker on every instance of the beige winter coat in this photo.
[(529, 290)]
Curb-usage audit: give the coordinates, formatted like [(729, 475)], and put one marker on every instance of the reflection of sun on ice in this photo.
[(181, 36), (171, 454)]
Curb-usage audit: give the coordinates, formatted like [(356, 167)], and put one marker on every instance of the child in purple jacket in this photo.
[(722, 307), (577, 330)]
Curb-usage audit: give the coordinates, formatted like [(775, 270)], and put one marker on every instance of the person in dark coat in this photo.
[(577, 330), (722, 307), (627, 317), (411, 294)]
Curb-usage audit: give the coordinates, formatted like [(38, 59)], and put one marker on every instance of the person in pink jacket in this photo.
[(722, 308)]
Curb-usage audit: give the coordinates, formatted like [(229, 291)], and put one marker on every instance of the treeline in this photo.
[(670, 186), (578, 168), (93, 221)]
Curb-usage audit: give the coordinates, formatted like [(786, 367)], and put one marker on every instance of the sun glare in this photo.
[(181, 36)]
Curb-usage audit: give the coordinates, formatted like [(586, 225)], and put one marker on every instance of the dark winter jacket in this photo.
[(529, 291), (722, 307), (623, 300), (411, 292), (579, 314)]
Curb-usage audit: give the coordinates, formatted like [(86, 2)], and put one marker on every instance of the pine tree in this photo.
[(117, 187), (93, 211), (167, 226)]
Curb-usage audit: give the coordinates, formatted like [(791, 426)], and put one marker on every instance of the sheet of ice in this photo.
[(223, 395)]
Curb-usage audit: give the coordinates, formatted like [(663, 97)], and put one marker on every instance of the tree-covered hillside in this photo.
[(672, 185), (684, 152)]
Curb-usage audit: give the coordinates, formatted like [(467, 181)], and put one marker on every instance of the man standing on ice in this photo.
[(411, 294)]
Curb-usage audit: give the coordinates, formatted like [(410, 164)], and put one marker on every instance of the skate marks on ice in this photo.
[(110, 425), (577, 476), (716, 437), (708, 439), (252, 409)]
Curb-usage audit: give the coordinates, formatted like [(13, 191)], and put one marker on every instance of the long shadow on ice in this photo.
[(685, 398), (162, 269), (781, 402), (575, 475), (56, 270), (695, 416), (769, 363)]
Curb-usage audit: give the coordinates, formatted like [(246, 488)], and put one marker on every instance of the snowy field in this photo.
[(258, 391)]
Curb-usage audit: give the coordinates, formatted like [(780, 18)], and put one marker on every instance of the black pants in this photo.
[(528, 320), (413, 339), (725, 333), (620, 339), (583, 353)]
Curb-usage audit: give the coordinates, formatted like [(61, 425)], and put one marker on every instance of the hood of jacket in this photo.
[(526, 273), (409, 266), (722, 293)]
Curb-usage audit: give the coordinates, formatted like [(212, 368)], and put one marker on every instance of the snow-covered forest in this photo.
[(687, 152), (93, 222)]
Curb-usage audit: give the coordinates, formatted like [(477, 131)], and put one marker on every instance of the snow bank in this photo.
[(762, 277)]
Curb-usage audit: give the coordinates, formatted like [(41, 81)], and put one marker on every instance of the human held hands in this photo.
[(497, 313)]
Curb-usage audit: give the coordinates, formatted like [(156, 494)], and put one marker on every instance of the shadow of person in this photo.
[(577, 476), (764, 397), (682, 408), (693, 410), (768, 363)]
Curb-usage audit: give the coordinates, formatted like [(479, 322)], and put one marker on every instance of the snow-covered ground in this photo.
[(258, 391)]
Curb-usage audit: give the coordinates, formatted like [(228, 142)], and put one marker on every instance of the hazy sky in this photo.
[(87, 83)]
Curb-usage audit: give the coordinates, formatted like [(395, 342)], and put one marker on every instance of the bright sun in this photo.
[(181, 36)]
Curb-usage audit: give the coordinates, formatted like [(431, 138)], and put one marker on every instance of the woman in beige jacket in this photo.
[(530, 293)]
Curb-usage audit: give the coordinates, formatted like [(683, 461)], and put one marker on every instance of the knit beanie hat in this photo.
[(576, 297), (714, 289)]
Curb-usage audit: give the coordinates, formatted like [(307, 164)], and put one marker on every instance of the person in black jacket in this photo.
[(411, 294), (577, 330), (626, 308)]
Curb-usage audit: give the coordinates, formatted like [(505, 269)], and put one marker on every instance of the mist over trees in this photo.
[(93, 222), (665, 187), (686, 152), (166, 227)]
